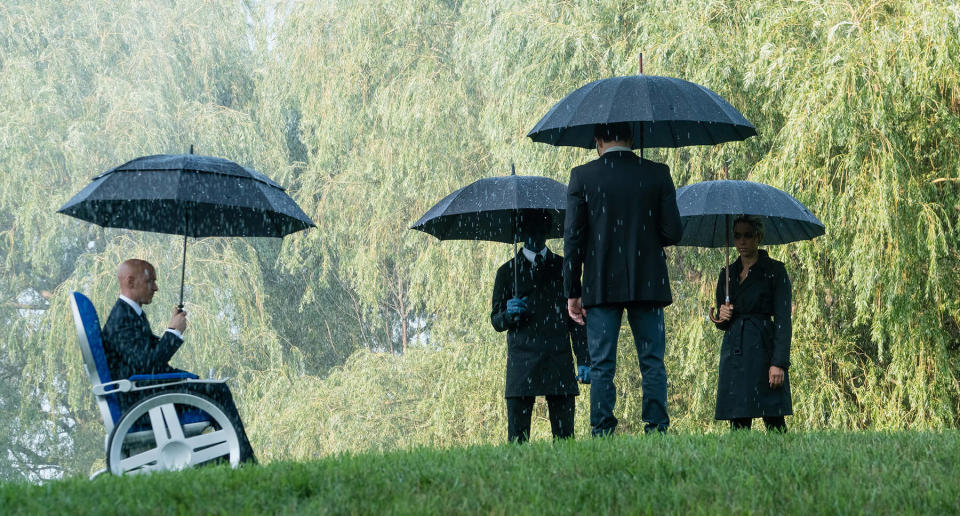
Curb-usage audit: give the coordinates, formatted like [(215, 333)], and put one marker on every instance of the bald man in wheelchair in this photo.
[(131, 348)]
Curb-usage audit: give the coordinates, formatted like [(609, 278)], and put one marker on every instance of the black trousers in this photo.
[(776, 423), (217, 392), (520, 410)]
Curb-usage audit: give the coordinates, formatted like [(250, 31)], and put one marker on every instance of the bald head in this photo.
[(138, 280)]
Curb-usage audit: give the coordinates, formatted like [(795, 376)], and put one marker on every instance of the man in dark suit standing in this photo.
[(539, 337), (621, 213), (131, 347)]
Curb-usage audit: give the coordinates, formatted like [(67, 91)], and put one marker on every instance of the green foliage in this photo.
[(362, 334), (747, 472)]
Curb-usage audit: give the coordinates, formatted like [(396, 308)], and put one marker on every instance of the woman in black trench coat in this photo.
[(755, 357)]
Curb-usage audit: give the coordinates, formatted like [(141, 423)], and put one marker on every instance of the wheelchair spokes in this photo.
[(141, 462), (208, 447), (165, 424), (163, 433)]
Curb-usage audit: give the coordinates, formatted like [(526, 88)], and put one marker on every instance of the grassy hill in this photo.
[(799, 473)]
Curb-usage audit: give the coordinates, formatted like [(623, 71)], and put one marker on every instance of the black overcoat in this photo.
[(757, 337), (130, 348), (621, 212), (539, 362)]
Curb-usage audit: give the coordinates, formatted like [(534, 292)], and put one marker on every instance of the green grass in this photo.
[(799, 473)]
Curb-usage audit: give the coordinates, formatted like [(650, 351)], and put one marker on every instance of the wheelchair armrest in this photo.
[(103, 389), (128, 385), (163, 376)]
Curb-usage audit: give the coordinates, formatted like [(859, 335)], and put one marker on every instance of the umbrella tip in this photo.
[(513, 169), (191, 148)]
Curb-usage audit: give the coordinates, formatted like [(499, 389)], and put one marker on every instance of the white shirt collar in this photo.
[(618, 148), (532, 256), (134, 304)]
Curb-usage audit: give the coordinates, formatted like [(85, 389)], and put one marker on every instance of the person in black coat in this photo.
[(755, 355), (539, 336), (130, 347), (621, 213)]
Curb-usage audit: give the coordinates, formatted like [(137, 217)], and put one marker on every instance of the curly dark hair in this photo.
[(754, 221)]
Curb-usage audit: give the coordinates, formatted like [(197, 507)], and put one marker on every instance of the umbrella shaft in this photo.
[(183, 265), (726, 221)]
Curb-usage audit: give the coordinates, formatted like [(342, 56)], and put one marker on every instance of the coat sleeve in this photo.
[(501, 293), (782, 323), (720, 298), (671, 229), (574, 236), (164, 348), (135, 350)]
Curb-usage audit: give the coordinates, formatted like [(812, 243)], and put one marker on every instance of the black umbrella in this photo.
[(661, 111), (189, 195), (708, 208), (497, 209)]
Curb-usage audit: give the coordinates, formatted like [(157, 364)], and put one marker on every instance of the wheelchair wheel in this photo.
[(154, 435)]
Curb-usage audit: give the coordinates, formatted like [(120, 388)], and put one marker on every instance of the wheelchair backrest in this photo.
[(94, 359)]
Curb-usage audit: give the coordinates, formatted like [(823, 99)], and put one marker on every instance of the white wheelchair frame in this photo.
[(173, 442)]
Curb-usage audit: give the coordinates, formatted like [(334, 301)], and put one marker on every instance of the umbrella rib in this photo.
[(572, 113), (673, 135), (716, 223), (776, 230), (614, 98)]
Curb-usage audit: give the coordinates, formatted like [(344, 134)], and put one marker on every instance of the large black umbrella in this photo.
[(707, 210), (189, 195), (661, 111), (497, 209)]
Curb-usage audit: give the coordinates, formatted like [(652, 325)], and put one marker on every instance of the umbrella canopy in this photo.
[(496, 208), (707, 209), (188, 195), (661, 111)]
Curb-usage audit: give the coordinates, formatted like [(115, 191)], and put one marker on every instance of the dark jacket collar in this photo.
[(763, 258)]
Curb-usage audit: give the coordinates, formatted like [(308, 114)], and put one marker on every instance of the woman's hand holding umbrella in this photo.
[(726, 313)]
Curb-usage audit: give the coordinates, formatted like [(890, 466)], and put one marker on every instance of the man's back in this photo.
[(621, 212)]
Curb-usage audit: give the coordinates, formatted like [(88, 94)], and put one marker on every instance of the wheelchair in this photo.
[(167, 430)]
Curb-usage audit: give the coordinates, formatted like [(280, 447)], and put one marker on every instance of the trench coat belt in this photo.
[(738, 350)]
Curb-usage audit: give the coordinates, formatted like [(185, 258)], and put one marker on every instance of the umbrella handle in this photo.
[(713, 319)]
